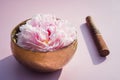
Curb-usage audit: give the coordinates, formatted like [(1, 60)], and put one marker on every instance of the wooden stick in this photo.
[(97, 37)]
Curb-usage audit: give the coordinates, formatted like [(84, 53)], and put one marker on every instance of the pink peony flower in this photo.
[(45, 33)]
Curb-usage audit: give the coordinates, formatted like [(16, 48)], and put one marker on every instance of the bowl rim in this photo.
[(14, 38)]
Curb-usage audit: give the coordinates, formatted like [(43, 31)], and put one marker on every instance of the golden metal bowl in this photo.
[(41, 61)]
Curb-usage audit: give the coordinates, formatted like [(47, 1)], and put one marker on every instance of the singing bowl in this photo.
[(41, 61)]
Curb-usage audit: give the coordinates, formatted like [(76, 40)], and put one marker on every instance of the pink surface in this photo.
[(86, 64)]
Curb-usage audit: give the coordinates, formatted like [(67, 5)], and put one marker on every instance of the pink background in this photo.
[(86, 64)]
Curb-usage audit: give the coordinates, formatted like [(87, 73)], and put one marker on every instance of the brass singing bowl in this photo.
[(41, 61)]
